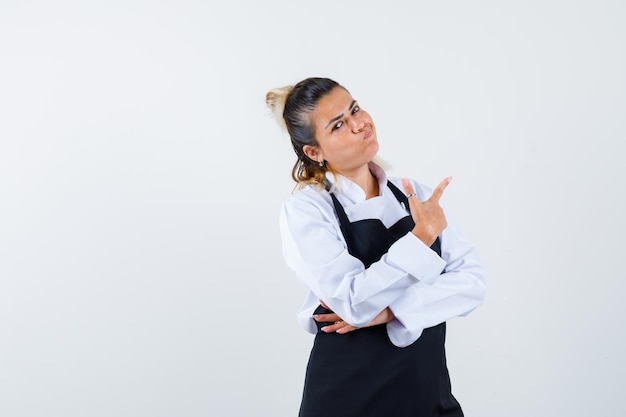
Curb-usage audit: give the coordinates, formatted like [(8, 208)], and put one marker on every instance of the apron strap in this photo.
[(400, 196), (343, 218)]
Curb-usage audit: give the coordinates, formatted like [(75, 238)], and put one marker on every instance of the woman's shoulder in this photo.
[(307, 192), (310, 203), (308, 196)]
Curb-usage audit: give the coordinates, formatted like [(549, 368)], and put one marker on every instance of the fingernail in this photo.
[(324, 328)]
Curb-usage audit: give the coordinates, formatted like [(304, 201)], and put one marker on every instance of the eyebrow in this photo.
[(334, 119)]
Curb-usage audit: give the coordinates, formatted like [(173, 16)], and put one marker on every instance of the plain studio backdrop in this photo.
[(141, 178)]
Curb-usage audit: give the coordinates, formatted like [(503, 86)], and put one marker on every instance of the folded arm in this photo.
[(314, 247)]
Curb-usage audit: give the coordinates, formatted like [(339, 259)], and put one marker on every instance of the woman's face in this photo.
[(345, 133)]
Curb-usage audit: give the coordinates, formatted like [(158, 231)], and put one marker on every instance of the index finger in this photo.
[(323, 318), (438, 191)]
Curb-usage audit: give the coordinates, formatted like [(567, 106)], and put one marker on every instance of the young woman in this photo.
[(384, 269)]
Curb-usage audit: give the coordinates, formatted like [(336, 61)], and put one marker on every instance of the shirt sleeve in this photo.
[(315, 249), (456, 292)]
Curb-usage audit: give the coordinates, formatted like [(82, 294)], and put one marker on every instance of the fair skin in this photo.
[(346, 138), (347, 142)]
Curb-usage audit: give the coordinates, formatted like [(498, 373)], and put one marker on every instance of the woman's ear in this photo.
[(313, 152)]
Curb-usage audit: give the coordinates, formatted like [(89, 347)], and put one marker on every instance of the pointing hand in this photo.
[(428, 215)]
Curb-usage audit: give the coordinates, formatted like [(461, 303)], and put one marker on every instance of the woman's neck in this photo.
[(367, 181)]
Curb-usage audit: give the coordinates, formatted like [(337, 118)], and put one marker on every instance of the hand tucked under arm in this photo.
[(342, 327)]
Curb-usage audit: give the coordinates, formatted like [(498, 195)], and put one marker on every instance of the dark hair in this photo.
[(298, 103)]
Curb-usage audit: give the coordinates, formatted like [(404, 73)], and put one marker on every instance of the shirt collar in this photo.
[(348, 191)]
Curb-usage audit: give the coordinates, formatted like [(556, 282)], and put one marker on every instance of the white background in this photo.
[(141, 178)]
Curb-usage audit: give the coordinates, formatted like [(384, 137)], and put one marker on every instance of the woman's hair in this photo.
[(292, 107)]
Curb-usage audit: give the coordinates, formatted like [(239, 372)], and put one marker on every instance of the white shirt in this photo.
[(408, 278)]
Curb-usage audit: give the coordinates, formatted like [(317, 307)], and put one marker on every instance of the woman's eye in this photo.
[(337, 125), (356, 109)]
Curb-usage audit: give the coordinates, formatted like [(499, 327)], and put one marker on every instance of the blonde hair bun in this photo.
[(275, 100)]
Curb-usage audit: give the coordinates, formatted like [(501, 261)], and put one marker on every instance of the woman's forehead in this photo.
[(334, 103)]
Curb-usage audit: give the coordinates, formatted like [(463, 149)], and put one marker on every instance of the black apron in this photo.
[(361, 373)]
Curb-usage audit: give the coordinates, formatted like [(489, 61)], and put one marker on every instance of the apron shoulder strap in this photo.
[(341, 214), (400, 196)]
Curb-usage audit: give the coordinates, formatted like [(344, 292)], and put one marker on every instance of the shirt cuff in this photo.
[(411, 255), (400, 335)]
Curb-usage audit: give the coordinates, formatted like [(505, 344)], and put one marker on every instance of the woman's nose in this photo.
[(356, 124)]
